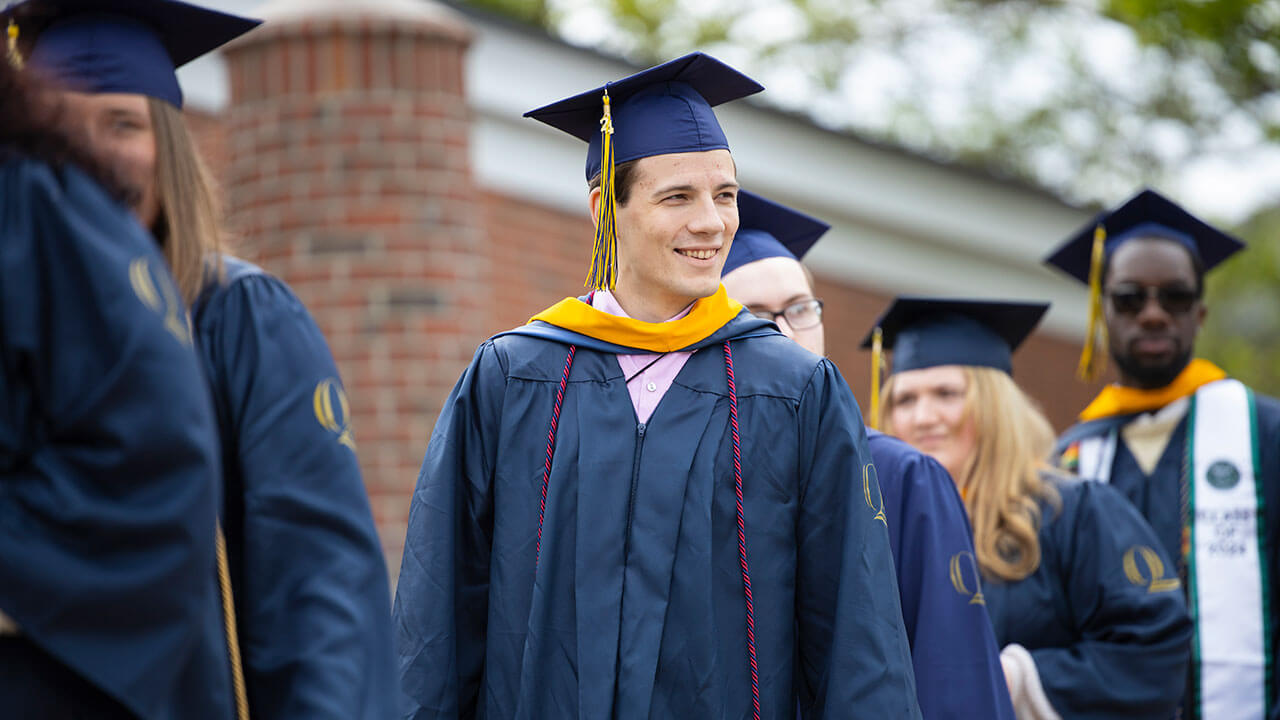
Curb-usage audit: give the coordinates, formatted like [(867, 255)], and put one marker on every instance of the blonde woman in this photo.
[(1083, 601), (304, 565)]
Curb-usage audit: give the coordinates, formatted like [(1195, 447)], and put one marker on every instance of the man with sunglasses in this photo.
[(953, 646), (1195, 451)]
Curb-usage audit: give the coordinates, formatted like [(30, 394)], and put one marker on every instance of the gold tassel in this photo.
[(1093, 357), (15, 57), (229, 625), (877, 364), (604, 255)]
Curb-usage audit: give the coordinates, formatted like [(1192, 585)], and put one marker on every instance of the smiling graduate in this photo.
[(647, 503)]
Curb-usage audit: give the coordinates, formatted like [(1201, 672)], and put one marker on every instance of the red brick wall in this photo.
[(348, 177), (538, 256)]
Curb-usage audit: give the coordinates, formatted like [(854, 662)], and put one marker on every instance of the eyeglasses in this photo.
[(800, 316), (1131, 299)]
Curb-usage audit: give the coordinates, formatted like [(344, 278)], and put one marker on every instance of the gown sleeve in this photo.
[(312, 590), (442, 597), (1128, 611), (854, 659), (108, 452), (953, 647)]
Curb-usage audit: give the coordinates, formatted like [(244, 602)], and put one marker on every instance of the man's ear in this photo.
[(594, 200)]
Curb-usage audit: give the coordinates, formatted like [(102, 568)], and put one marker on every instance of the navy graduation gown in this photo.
[(637, 610), (1157, 496), (108, 454), (1105, 646), (311, 589), (953, 648)]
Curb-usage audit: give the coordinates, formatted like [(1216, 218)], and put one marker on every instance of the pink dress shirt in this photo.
[(647, 385)]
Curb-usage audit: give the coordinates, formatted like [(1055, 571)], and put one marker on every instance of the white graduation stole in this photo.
[(1097, 455), (1227, 588), (1228, 594)]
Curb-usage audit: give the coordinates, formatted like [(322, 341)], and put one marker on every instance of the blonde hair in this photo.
[(189, 227), (1004, 479)]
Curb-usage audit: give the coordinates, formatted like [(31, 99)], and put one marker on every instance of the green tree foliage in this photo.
[(1242, 331), (1087, 100), (1237, 40), (532, 12)]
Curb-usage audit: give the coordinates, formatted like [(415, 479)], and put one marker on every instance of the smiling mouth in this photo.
[(698, 254)]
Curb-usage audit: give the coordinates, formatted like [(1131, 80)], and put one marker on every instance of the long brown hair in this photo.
[(1004, 480), (189, 226)]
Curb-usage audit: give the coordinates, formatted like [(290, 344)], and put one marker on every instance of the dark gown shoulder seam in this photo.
[(809, 383), (499, 356)]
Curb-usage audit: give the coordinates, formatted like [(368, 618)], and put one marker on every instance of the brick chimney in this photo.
[(348, 177)]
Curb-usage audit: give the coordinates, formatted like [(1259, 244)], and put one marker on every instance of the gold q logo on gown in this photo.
[(161, 297), (333, 412), (964, 573), (871, 491), (1153, 578)]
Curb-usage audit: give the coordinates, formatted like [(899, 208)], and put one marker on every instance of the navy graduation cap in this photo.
[(1146, 215), (665, 109), (925, 332), (662, 110), (767, 229), (121, 46)]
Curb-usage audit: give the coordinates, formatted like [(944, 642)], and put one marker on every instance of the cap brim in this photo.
[(1012, 321), (715, 81), (795, 230), (1213, 246), (186, 31)]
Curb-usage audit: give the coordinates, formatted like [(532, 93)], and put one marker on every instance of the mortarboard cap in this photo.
[(662, 110), (124, 46), (926, 332), (767, 229), (1147, 214)]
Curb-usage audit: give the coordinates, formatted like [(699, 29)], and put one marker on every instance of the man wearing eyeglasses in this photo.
[(953, 647), (1195, 451)]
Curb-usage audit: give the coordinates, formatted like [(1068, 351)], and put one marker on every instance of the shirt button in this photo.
[(653, 387)]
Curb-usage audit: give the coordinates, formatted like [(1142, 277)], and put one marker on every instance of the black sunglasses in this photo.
[(1131, 299)]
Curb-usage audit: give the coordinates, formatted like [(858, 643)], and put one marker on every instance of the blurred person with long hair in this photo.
[(1082, 596), (109, 459), (307, 592)]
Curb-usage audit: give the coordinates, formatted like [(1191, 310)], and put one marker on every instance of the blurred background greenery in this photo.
[(1090, 100), (1242, 332)]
